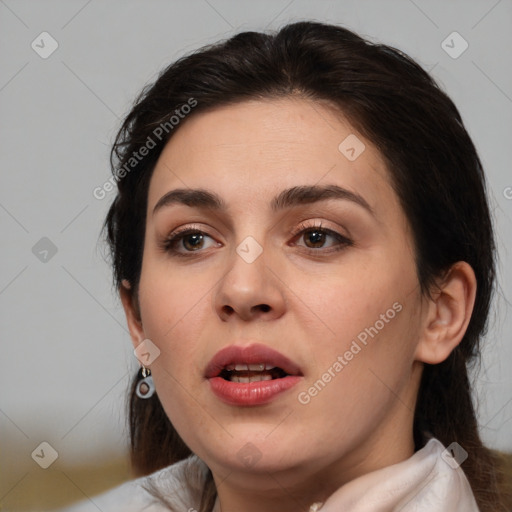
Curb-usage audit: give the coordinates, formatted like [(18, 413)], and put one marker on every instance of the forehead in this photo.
[(259, 147)]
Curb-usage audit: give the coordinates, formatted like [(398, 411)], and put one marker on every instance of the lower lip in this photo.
[(251, 393)]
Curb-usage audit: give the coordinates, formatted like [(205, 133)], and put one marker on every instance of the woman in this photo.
[(302, 244)]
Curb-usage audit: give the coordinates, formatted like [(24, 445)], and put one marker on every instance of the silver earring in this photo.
[(145, 387)]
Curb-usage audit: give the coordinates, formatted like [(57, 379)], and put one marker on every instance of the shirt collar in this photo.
[(431, 479)]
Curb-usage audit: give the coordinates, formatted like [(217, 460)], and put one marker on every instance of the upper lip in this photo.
[(250, 354)]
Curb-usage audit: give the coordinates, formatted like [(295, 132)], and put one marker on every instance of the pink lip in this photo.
[(252, 393)]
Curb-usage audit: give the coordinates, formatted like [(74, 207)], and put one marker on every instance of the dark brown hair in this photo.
[(433, 165)]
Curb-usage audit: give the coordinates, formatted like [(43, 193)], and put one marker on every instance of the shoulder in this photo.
[(179, 484)]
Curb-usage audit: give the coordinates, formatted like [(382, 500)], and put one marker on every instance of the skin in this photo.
[(317, 302)]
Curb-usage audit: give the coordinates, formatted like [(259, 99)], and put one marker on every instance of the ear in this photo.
[(132, 313), (448, 314)]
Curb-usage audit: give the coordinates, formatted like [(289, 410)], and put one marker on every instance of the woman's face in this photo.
[(340, 302)]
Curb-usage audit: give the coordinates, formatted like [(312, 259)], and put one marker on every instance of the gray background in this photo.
[(66, 354)]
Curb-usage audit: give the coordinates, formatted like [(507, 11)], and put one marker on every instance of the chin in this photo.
[(250, 451)]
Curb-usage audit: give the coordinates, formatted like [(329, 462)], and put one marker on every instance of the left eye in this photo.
[(315, 238)]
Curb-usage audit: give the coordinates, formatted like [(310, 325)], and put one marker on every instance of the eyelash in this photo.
[(169, 244)]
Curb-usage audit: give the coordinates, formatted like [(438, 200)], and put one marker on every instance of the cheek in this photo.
[(174, 311), (354, 385), (353, 305), (367, 339), (171, 300)]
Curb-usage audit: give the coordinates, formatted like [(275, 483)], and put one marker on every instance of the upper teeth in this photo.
[(247, 380), (259, 367)]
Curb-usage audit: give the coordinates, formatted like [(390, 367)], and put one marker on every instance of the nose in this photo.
[(249, 291)]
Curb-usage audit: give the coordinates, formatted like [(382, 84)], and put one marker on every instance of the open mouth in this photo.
[(253, 363), (247, 373), (251, 375)]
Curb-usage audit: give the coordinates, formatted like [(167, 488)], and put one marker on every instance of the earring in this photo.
[(145, 388)]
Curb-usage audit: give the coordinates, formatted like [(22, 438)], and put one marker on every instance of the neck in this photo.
[(298, 489)]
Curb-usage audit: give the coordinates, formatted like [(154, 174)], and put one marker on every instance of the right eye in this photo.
[(191, 240)]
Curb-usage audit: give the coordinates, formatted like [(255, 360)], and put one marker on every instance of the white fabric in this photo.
[(423, 483)]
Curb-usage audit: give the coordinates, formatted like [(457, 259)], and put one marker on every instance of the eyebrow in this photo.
[(299, 195)]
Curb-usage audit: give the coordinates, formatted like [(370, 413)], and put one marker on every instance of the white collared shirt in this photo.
[(430, 480)]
